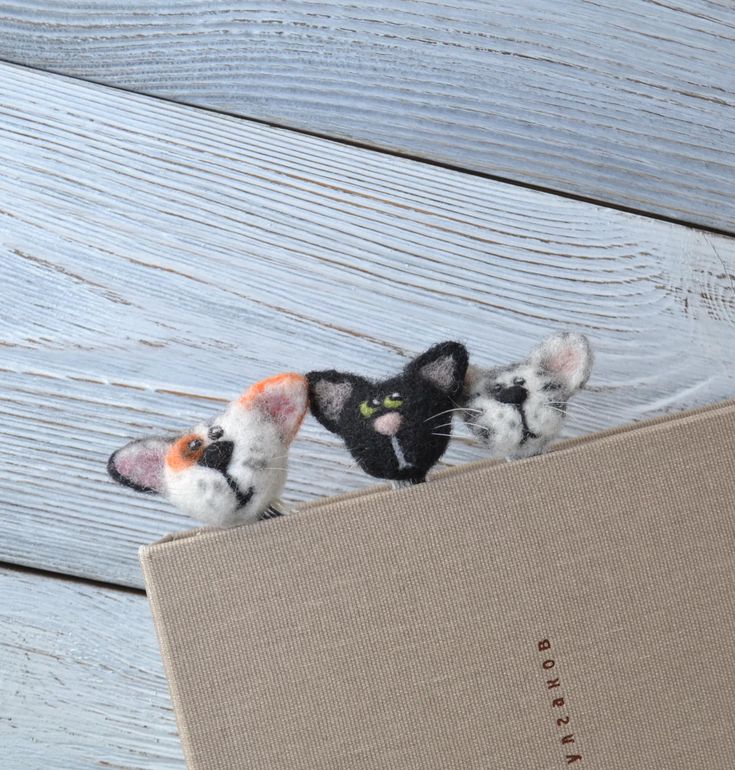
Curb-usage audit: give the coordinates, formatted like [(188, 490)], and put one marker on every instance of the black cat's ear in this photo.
[(329, 392), (444, 366)]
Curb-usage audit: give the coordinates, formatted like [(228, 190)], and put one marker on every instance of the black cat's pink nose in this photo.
[(388, 424)]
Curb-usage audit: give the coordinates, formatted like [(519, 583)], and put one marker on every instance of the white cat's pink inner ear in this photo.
[(283, 399), (565, 362), (568, 357)]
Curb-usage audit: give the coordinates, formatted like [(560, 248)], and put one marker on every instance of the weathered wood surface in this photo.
[(82, 684), (627, 102), (155, 259)]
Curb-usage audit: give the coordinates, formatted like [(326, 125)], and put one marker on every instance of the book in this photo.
[(574, 609)]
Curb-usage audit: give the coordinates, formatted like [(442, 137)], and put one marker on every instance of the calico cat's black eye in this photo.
[(519, 381), (194, 445), (497, 387), (215, 433)]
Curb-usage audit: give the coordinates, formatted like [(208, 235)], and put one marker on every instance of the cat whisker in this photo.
[(572, 408), (446, 411), (584, 409), (354, 464), (446, 435)]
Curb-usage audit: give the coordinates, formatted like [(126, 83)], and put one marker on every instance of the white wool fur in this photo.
[(230, 470), (553, 372), (258, 461)]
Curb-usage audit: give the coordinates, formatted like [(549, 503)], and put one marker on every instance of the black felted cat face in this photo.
[(399, 427)]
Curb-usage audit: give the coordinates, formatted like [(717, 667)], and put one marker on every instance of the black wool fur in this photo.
[(399, 427)]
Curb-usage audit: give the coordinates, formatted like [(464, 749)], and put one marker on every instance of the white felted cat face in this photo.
[(516, 410), (230, 470)]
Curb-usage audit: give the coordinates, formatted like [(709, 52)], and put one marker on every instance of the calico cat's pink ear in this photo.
[(139, 464), (283, 398), (567, 357)]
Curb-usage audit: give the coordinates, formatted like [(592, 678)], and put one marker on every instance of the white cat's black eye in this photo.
[(215, 433)]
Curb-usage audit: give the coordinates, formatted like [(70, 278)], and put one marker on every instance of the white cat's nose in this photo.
[(388, 424)]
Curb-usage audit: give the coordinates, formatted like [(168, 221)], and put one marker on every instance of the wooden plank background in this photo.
[(82, 683), (627, 102), (155, 259)]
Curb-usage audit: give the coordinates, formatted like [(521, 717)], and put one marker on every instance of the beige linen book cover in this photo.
[(574, 609)]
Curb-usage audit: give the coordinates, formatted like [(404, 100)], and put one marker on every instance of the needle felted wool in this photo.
[(399, 427), (517, 409), (230, 470)]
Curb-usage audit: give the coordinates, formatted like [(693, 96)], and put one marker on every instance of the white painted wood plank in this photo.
[(155, 259), (82, 684), (628, 102)]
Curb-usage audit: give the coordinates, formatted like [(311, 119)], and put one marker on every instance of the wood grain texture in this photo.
[(620, 101), (82, 684), (155, 260)]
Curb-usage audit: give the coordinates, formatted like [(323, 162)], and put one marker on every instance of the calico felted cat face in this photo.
[(230, 470), (517, 409), (399, 427)]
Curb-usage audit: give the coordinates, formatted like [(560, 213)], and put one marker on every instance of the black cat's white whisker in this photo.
[(447, 411), (386, 424)]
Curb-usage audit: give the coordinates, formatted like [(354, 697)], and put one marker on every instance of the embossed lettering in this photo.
[(556, 683)]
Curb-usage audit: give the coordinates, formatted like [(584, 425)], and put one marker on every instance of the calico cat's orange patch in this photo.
[(252, 393), (185, 452)]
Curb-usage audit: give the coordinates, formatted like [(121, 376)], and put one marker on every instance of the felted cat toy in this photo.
[(399, 427), (517, 409), (230, 470)]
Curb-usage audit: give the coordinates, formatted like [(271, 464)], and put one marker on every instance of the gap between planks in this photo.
[(67, 577), (612, 101), (378, 149)]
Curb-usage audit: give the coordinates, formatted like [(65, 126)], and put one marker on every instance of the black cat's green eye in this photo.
[(393, 401), (366, 410)]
